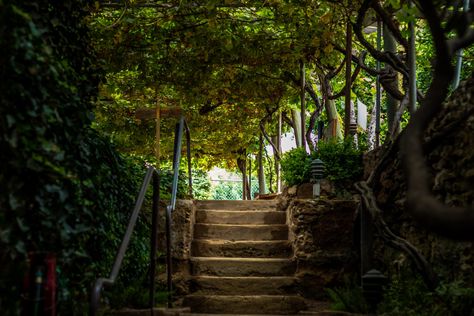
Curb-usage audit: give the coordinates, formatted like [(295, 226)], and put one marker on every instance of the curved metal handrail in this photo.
[(100, 282), (151, 173), (182, 125)]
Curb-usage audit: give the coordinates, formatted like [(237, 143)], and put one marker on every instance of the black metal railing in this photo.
[(152, 175)]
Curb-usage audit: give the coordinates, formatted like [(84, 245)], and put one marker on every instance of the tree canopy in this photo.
[(224, 63)]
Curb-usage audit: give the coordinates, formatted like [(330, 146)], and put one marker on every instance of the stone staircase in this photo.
[(242, 260)]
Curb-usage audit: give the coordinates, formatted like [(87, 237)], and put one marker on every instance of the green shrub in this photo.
[(342, 160), (295, 166)]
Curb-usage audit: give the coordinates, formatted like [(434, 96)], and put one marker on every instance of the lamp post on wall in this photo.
[(372, 288), (317, 173)]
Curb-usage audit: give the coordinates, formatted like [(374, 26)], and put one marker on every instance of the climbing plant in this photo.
[(64, 189)]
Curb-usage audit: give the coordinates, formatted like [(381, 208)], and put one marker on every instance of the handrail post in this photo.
[(176, 160), (188, 154), (154, 237), (169, 262)]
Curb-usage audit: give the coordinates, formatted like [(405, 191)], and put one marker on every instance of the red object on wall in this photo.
[(40, 285), (50, 285)]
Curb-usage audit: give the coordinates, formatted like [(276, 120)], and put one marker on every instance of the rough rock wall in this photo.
[(182, 231), (449, 148), (322, 236)]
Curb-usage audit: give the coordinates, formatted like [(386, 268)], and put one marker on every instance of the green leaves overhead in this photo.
[(227, 55)]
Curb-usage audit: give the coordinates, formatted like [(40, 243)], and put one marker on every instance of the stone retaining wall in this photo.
[(322, 235)]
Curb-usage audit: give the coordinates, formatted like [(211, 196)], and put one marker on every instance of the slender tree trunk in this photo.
[(296, 116), (347, 108), (303, 105), (277, 165), (242, 164), (249, 186), (412, 64), (390, 45), (334, 130), (261, 174), (378, 90), (279, 151)]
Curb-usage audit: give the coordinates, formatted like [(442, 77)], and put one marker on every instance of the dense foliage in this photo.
[(295, 166), (223, 63), (342, 161), (63, 187)]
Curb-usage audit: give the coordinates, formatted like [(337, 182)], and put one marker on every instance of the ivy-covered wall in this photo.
[(63, 188)]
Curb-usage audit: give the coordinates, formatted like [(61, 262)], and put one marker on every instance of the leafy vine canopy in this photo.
[(223, 62)]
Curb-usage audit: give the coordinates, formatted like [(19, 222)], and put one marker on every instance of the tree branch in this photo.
[(265, 134), (385, 57), (390, 23), (353, 78), (369, 203), (453, 222)]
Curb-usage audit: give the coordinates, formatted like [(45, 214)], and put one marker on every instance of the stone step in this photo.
[(241, 248), (243, 285), (157, 311), (216, 266), (240, 232), (232, 205), (240, 217), (242, 305)]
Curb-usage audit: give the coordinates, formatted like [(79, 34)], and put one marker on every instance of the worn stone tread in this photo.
[(241, 248), (245, 304), (231, 205), (217, 266), (240, 217), (240, 232), (275, 285)]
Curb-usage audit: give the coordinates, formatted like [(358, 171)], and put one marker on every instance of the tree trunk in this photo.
[(334, 130), (347, 101), (303, 105), (277, 142), (261, 173), (296, 116), (242, 164), (390, 45)]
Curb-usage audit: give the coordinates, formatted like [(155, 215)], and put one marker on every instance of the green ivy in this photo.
[(63, 187)]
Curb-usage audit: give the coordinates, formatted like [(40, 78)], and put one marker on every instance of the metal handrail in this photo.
[(182, 125), (101, 282), (151, 173)]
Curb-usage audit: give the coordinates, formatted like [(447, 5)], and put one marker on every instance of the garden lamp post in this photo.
[(372, 288), (317, 173)]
